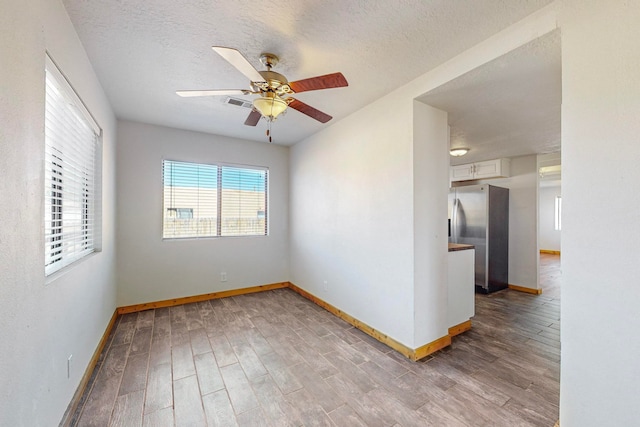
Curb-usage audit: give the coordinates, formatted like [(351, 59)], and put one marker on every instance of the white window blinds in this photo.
[(71, 141), (203, 200)]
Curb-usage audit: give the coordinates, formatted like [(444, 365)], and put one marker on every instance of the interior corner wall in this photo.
[(352, 216), (43, 323), (523, 219), (549, 237), (601, 213), (352, 236), (430, 192), (153, 269)]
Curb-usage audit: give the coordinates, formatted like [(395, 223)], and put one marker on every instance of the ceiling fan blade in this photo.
[(309, 111), (253, 118), (235, 58), (321, 82), (213, 92)]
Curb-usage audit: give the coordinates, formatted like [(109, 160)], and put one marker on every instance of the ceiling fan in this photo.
[(274, 88)]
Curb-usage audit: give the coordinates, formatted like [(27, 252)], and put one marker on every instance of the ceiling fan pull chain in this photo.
[(269, 131)]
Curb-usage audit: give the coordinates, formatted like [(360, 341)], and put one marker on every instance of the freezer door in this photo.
[(498, 239), (470, 213)]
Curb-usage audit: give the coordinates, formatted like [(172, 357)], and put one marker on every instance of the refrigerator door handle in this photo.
[(454, 221)]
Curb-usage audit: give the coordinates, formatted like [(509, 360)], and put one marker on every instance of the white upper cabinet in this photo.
[(462, 172), (498, 168)]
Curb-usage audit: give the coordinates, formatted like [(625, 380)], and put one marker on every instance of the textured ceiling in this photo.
[(143, 51), (508, 107)]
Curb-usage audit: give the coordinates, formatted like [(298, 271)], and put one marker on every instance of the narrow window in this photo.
[(558, 213), (72, 140), (209, 200)]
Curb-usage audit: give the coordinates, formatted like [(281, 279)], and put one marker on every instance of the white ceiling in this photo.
[(508, 107), (143, 51)]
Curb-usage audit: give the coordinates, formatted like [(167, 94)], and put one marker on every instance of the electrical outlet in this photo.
[(69, 365), (325, 286), (223, 277)]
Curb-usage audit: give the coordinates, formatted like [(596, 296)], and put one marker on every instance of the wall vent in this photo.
[(238, 102)]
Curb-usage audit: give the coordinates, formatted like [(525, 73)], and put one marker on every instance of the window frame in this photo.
[(73, 144), (219, 203)]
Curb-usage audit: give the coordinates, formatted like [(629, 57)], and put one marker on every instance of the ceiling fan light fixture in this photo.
[(270, 106), (457, 152)]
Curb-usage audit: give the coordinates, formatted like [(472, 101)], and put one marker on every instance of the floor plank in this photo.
[(240, 392), (161, 418), (159, 388), (209, 376), (187, 403), (317, 387), (127, 411), (141, 340), (346, 416), (134, 377), (222, 350), (218, 409), (99, 405), (275, 406)]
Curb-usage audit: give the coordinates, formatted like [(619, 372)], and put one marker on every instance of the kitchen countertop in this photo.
[(459, 247)]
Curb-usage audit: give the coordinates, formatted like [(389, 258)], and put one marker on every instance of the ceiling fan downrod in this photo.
[(269, 60)]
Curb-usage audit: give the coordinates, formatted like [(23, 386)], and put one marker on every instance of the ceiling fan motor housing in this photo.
[(275, 82)]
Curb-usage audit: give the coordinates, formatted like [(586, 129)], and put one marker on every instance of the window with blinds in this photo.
[(71, 145), (209, 200)]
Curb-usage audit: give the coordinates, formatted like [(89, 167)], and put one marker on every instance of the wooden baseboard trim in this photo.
[(458, 329), (401, 348), (197, 298), (546, 251), (526, 290), (432, 347), (413, 354), (84, 381)]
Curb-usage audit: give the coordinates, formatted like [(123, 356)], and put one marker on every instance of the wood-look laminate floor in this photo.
[(276, 359)]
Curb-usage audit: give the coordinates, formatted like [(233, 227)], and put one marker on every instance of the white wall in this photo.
[(41, 324), (523, 211), (523, 216), (430, 226), (352, 217), (601, 213), (153, 269), (549, 237)]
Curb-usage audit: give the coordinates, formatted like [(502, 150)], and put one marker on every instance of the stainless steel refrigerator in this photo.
[(479, 216)]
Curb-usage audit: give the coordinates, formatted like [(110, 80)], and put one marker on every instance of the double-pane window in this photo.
[(210, 200)]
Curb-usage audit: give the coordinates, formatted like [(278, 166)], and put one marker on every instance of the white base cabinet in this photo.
[(462, 288)]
